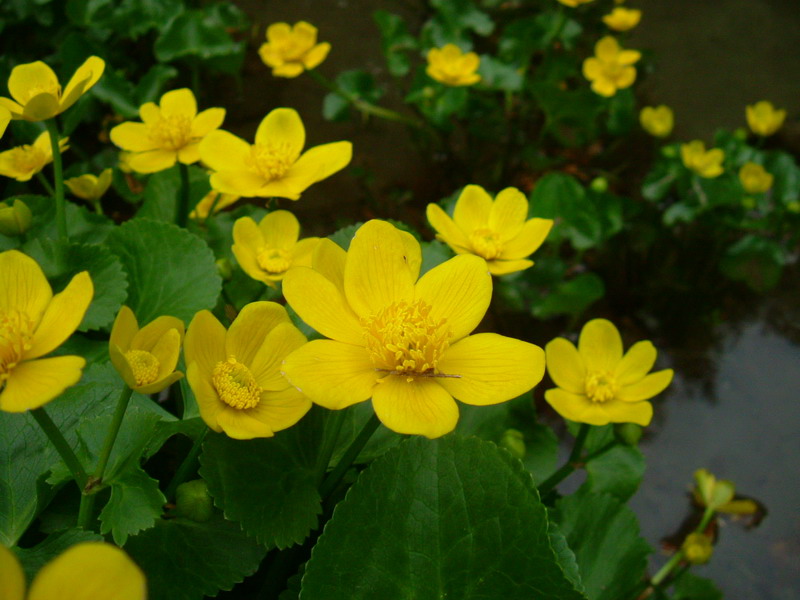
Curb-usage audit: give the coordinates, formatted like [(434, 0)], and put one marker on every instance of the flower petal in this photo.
[(205, 342), (320, 162), (446, 228), (576, 407), (504, 267), (508, 213), (62, 316), (600, 346), (241, 425), (266, 364), (27, 80), (23, 286), (208, 401), (329, 259), (122, 365), (636, 363), (278, 32), (490, 368), (283, 128), (82, 80), (179, 103), (40, 107), (36, 382), (250, 329), (527, 241), (332, 374), (280, 229), (458, 290), (223, 151), (167, 350), (247, 243), (239, 183), (303, 251), (418, 407), (12, 107), (150, 335), (640, 413), (646, 388), (281, 409), (150, 113), (12, 584), (207, 121), (190, 153), (152, 161), (472, 209), (565, 366), (159, 384), (316, 55)]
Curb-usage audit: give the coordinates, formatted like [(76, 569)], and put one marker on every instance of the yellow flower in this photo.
[(402, 342), (273, 166), (597, 384), (697, 548), (171, 132), (450, 66), (268, 250), (5, 117), (146, 358), (657, 121), (494, 230), (755, 178), (705, 163), (37, 94), (574, 3), (235, 375), (90, 187), (14, 219), (212, 200), (719, 495), (33, 323), (86, 571), (623, 19), (290, 50), (23, 162), (611, 68), (763, 118)]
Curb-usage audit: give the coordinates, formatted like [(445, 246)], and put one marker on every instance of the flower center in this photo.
[(16, 330), (144, 365), (235, 384), (601, 386), (272, 161), (274, 260), (172, 132), (54, 89), (486, 243), (27, 158), (294, 48), (403, 339)]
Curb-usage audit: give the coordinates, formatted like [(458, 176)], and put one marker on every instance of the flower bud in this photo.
[(740, 133), (793, 207), (669, 151), (629, 433), (697, 548), (514, 441), (15, 219), (224, 268), (599, 185), (193, 501)]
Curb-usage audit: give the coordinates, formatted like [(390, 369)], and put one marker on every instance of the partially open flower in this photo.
[(623, 19), (657, 120), (720, 495), (754, 178), (23, 162), (290, 50), (763, 118), (90, 187), (14, 219), (706, 163), (146, 358)]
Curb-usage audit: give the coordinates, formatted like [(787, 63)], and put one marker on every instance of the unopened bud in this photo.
[(740, 133), (224, 268), (514, 442), (14, 219), (697, 548), (669, 151), (193, 501), (599, 185), (629, 433)]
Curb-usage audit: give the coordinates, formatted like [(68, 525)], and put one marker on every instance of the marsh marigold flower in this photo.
[(171, 132), (719, 495), (37, 93), (90, 187), (268, 250), (274, 165), (23, 162), (611, 68), (574, 3), (235, 374), (763, 118), (146, 358), (706, 163), (658, 121), (450, 66), (34, 322), (496, 230), (622, 19), (401, 341), (15, 218), (292, 49), (212, 203), (597, 384), (86, 571), (754, 178)]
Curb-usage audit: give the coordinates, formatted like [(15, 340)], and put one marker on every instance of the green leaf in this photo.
[(82, 225), (692, 587), (117, 91), (356, 84), (756, 261), (570, 297), (659, 181), (560, 197), (617, 472), (462, 15), (151, 85), (195, 33), (61, 260), (135, 504), (499, 75), (424, 521), (434, 253), (395, 39), (621, 113), (186, 560), (786, 187), (604, 535), (345, 235), (164, 188), (170, 271), (33, 559)]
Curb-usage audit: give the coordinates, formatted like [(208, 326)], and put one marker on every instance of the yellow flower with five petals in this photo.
[(37, 94), (450, 66), (597, 384), (268, 250), (170, 132), (235, 374), (90, 187), (34, 322), (754, 178), (763, 118), (274, 165), (658, 121), (622, 19), (146, 358), (401, 339), (292, 49), (23, 162), (496, 230), (611, 68), (706, 163)]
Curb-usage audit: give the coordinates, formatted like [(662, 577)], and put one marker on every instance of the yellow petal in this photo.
[(240, 183), (179, 103), (458, 290), (303, 251), (167, 350), (316, 55), (504, 267), (600, 345), (150, 113), (189, 154), (323, 161), (472, 209), (287, 187), (124, 328), (36, 382), (322, 305), (508, 213), (636, 363), (208, 401), (40, 107), (418, 407), (207, 121), (377, 272), (240, 424), (122, 365), (82, 80), (247, 243), (278, 32), (223, 151), (413, 253), (607, 48), (647, 387), (134, 137), (292, 69), (12, 582), (152, 161), (565, 365), (332, 374), (629, 57), (640, 413), (89, 571), (284, 129), (605, 87), (284, 339), (150, 335), (577, 407), (12, 107), (281, 409), (280, 229), (159, 384), (490, 368), (329, 259), (23, 286), (30, 79), (446, 228), (527, 241), (62, 316), (251, 327), (205, 342), (5, 118)]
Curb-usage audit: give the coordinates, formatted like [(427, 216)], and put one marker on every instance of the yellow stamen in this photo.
[(272, 161), (486, 243), (235, 384), (601, 386), (16, 330), (144, 365), (172, 132), (274, 260)]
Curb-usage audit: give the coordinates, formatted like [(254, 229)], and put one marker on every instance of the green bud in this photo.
[(740, 133), (15, 219), (697, 548), (514, 442), (749, 202), (225, 269), (629, 433), (669, 151), (193, 501), (793, 207), (599, 185), (428, 91)]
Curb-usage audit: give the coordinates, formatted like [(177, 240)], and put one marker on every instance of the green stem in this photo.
[(62, 447), (108, 445), (567, 468), (676, 558), (329, 445), (332, 480), (61, 209), (45, 184), (187, 467), (86, 510), (182, 210)]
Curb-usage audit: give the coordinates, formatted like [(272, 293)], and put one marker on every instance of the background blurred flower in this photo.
[(450, 66), (14, 219), (90, 187), (212, 203), (290, 50), (706, 163), (658, 121), (23, 162), (754, 178), (574, 3), (611, 68), (763, 118), (623, 19)]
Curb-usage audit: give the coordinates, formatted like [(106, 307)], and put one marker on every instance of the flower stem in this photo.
[(108, 445), (45, 184), (676, 558), (61, 445), (187, 466), (182, 210), (352, 452), (61, 209), (567, 468), (329, 445)]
